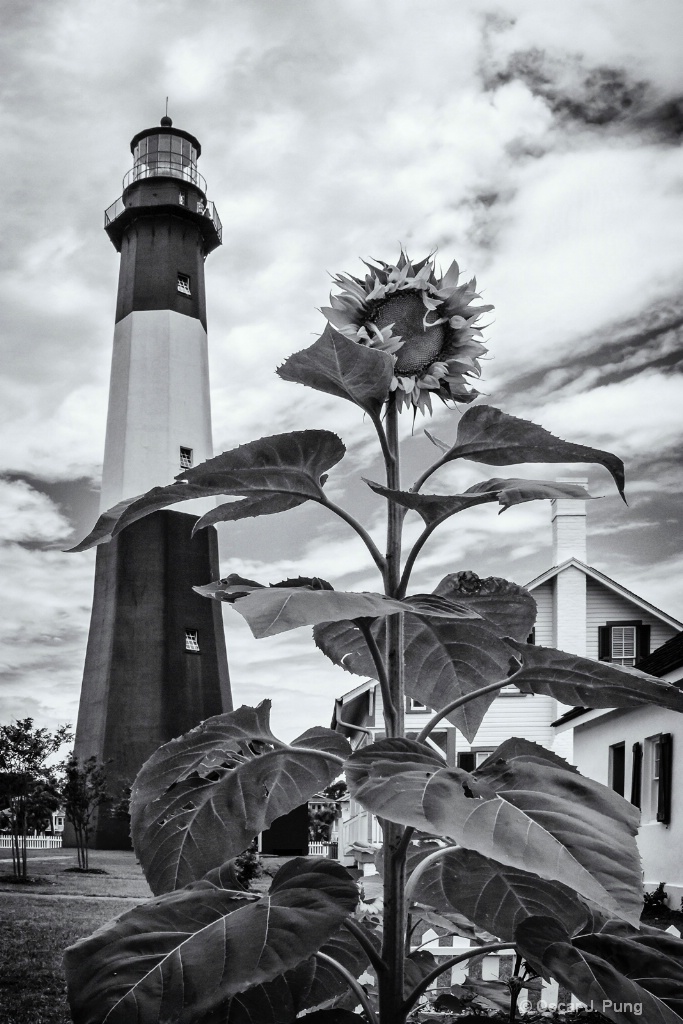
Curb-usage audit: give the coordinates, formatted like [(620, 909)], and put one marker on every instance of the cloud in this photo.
[(638, 417), (536, 150), (28, 515), (45, 599)]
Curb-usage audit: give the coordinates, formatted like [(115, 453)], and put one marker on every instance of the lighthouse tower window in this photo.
[(186, 458), (184, 284), (192, 641)]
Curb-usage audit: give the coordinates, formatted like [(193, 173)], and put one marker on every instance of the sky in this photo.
[(538, 144)]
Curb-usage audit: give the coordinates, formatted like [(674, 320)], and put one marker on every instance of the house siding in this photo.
[(511, 714), (543, 596), (525, 716), (603, 605), (660, 845)]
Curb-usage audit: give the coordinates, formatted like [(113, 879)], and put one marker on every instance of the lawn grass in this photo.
[(48, 870), (38, 922), (35, 932)]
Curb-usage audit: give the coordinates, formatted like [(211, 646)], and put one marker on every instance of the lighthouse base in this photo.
[(156, 662)]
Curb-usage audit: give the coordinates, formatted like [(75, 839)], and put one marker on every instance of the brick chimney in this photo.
[(569, 525), (569, 597), (569, 588)]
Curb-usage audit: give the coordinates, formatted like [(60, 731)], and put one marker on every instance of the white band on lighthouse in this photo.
[(158, 403)]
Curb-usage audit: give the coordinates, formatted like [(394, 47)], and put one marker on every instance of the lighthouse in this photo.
[(156, 662)]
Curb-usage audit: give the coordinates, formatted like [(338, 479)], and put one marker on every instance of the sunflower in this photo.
[(425, 322)]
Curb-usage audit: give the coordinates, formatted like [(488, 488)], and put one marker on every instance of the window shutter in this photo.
[(642, 642), (604, 643), (665, 778), (636, 773)]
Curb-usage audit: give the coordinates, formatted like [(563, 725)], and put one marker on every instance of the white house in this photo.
[(579, 610), (634, 751)]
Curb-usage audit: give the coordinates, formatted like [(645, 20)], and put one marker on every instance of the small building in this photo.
[(58, 819), (634, 751), (579, 610)]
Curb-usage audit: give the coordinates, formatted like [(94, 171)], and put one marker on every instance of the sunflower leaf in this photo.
[(641, 987), (311, 983), (586, 683), (193, 949), (339, 366), (292, 466), (437, 442), (508, 609), (249, 508), (485, 434), (183, 819), (517, 490), (276, 609), (492, 896), (520, 813), (490, 992), (436, 508), (443, 660)]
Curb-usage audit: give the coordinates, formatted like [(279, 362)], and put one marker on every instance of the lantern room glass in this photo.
[(165, 155)]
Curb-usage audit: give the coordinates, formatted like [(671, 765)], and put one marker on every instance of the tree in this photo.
[(556, 850), (321, 820), (84, 789), (28, 785), (319, 823)]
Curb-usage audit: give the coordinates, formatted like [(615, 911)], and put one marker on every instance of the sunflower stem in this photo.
[(394, 850), (363, 940), (422, 867), (384, 445), (428, 472), (410, 560), (387, 698), (360, 530), (453, 961), (465, 699), (355, 987)]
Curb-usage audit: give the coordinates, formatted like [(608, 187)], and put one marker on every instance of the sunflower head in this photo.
[(427, 323)]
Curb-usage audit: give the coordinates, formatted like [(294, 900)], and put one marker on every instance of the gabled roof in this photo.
[(611, 584), (351, 706), (666, 658)]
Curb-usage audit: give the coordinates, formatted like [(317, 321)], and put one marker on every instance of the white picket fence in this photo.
[(32, 842), (544, 995), (322, 849)]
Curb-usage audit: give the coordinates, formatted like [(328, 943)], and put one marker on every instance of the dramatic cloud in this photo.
[(540, 148)]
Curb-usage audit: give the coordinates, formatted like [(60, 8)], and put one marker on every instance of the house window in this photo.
[(510, 691), (636, 773), (192, 640), (438, 740), (617, 767), (623, 643), (415, 705), (657, 778), (184, 284), (468, 760), (185, 458)]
